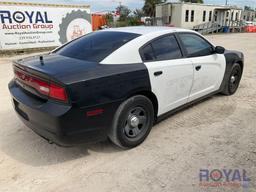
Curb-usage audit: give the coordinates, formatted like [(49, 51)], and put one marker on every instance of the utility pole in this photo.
[(226, 2), (118, 10)]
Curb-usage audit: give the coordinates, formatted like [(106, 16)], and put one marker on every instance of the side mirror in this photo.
[(219, 50)]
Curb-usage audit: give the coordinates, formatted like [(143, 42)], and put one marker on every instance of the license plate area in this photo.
[(19, 110)]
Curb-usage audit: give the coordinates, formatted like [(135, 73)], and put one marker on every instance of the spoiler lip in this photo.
[(60, 69), (40, 75)]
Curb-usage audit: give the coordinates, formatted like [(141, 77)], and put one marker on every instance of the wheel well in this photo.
[(241, 64), (151, 96)]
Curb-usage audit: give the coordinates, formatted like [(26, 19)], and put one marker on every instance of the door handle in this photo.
[(157, 73), (198, 67)]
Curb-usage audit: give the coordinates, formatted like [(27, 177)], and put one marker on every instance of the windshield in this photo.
[(95, 46)]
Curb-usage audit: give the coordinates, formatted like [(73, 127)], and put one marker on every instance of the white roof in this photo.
[(201, 4), (143, 30), (129, 52)]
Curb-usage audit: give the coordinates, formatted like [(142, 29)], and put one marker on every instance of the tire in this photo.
[(132, 122), (233, 81), (68, 19)]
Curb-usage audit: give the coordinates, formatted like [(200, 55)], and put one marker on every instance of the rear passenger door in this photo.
[(171, 75), (209, 67)]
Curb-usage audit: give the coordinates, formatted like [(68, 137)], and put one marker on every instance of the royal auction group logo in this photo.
[(235, 178), (74, 25), (25, 20)]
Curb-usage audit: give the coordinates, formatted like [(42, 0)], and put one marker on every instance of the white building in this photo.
[(189, 15), (248, 15)]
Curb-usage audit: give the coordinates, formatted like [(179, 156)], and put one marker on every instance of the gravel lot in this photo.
[(215, 134)]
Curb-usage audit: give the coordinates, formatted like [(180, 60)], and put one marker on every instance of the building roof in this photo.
[(146, 29), (203, 4)]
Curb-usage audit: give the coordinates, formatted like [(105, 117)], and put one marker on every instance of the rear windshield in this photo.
[(95, 46)]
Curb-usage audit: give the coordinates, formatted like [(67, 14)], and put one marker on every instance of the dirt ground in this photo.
[(219, 133)]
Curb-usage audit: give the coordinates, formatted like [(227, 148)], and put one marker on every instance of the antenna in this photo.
[(41, 59)]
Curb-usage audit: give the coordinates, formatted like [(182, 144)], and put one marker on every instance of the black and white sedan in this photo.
[(118, 82)]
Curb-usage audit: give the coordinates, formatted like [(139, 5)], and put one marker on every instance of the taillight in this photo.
[(48, 89), (41, 86), (58, 92)]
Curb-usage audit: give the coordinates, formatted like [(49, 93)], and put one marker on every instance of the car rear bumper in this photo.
[(59, 123)]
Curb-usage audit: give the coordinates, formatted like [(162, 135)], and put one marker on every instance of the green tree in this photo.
[(138, 13), (149, 7), (110, 19), (124, 12), (248, 8)]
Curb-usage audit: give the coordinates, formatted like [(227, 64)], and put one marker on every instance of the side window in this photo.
[(236, 16), (186, 15), (210, 16), (148, 53), (204, 16), (195, 45), (165, 48), (192, 16)]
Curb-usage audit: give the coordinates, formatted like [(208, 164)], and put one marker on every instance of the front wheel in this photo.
[(233, 80), (132, 123)]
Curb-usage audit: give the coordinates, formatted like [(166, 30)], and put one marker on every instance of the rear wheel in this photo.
[(132, 122), (233, 80)]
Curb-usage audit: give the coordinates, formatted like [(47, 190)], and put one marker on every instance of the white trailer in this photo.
[(189, 15)]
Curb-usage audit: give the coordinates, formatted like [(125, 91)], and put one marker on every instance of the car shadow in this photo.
[(205, 111), (21, 144)]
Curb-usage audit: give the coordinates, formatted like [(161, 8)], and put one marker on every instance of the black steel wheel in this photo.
[(234, 80), (136, 122), (132, 122)]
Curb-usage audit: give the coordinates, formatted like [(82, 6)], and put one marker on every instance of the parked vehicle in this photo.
[(117, 83)]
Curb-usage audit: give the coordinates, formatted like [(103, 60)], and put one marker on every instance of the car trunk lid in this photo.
[(54, 66), (44, 76)]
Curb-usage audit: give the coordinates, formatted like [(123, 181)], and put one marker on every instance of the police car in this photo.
[(116, 83)]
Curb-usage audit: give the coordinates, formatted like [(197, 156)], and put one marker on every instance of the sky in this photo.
[(107, 5)]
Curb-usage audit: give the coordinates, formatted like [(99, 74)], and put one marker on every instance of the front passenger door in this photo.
[(209, 67)]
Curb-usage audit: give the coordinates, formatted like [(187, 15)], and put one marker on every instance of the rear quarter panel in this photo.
[(108, 83)]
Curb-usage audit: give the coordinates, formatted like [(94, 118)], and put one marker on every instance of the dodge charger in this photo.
[(117, 83)]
